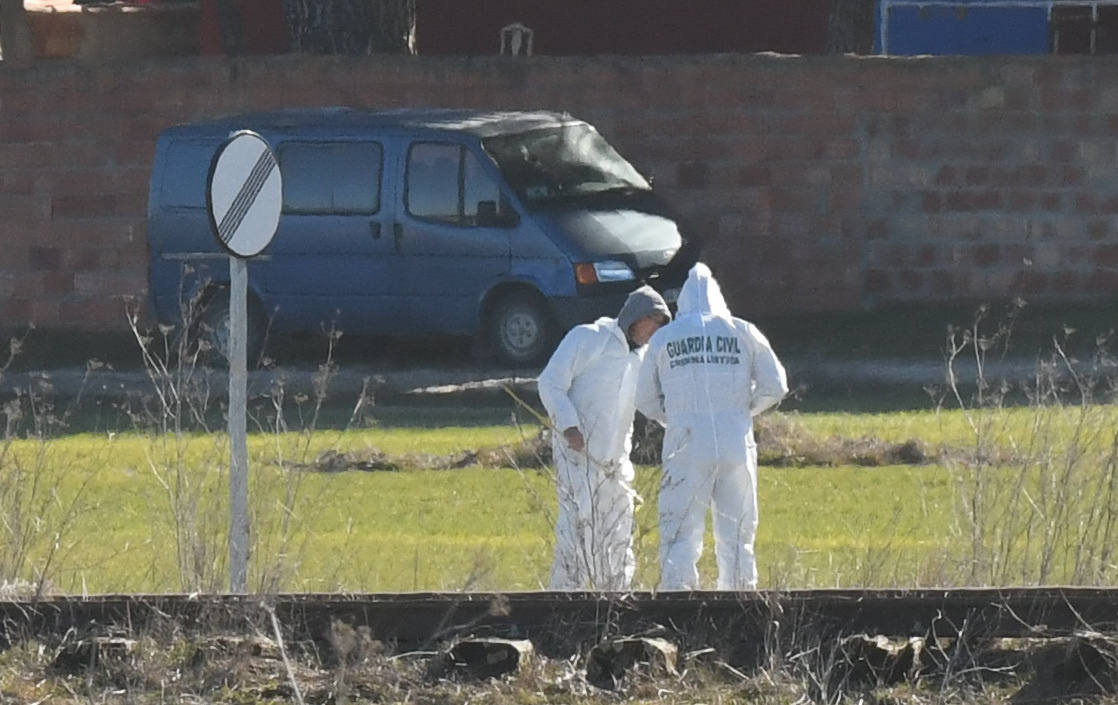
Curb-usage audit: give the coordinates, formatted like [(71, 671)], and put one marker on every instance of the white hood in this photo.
[(701, 294)]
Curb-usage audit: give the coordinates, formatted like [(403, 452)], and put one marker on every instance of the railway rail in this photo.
[(419, 620)]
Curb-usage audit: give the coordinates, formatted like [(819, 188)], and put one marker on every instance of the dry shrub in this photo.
[(529, 453), (1046, 512), (783, 442)]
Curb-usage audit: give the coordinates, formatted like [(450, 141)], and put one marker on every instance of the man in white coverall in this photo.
[(705, 376), (588, 389)]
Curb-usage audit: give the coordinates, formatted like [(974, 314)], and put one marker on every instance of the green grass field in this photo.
[(133, 512)]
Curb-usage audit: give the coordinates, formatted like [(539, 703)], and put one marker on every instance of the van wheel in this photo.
[(521, 330), (213, 329)]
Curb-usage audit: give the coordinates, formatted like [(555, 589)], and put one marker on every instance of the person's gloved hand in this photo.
[(574, 439)]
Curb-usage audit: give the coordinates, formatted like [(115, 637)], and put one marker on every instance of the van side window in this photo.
[(445, 183), (477, 187), (338, 178), (185, 173)]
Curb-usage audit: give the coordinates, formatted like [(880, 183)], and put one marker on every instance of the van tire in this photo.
[(521, 329), (213, 328)]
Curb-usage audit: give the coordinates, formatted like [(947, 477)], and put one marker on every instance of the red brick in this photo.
[(1106, 255), (946, 176), (985, 255), (130, 205), (95, 206), (15, 312), (797, 200), (912, 149), (29, 154), (792, 225), (1102, 282), (754, 175), (1073, 176), (44, 258), (847, 197), (1066, 283), (103, 313), (19, 182), (139, 153), (977, 175), (841, 148), (1063, 151), (1028, 281), (82, 259), (1020, 201), (910, 281), (1052, 202), (926, 256), (19, 128), (1075, 255), (1019, 121), (44, 312), (877, 229), (1052, 98), (877, 281), (54, 283), (18, 207), (1054, 123), (1108, 205), (1098, 229), (997, 151), (79, 182), (103, 233), (1017, 254), (972, 200), (941, 283), (1031, 175)]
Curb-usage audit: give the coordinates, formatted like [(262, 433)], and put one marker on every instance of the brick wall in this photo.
[(819, 183)]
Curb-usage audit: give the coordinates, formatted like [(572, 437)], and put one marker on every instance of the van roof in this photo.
[(482, 123)]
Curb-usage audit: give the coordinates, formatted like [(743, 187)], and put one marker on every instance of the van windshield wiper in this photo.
[(620, 189)]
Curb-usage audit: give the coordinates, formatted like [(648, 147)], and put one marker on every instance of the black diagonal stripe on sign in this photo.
[(246, 196)]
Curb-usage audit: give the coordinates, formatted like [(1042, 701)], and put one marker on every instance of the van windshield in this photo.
[(562, 162)]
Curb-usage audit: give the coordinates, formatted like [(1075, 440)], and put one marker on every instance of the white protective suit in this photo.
[(705, 376), (590, 383)]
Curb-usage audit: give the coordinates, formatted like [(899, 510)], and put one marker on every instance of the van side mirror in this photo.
[(488, 217)]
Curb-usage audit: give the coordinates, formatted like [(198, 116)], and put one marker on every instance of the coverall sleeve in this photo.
[(554, 382), (650, 395), (770, 382)]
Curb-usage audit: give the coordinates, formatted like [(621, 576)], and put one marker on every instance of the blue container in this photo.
[(962, 27)]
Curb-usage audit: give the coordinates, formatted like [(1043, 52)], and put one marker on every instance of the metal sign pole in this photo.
[(244, 196), (238, 446)]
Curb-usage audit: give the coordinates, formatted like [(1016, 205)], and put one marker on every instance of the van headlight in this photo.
[(612, 271), (597, 272)]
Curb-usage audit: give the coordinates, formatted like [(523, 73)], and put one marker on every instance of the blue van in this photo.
[(513, 226)]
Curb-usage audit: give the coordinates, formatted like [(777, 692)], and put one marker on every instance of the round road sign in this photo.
[(244, 193)]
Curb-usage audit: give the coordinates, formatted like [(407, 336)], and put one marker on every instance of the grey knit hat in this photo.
[(642, 302)]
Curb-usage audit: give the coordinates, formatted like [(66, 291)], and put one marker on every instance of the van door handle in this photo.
[(397, 234), (374, 229)]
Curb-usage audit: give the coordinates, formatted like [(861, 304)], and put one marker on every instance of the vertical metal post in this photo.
[(883, 26), (238, 466), (1094, 25)]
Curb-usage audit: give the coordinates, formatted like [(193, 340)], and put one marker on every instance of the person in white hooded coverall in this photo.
[(705, 376), (588, 389)]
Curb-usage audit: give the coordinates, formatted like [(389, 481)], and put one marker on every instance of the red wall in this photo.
[(587, 27), (264, 30), (574, 27), (820, 183)]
